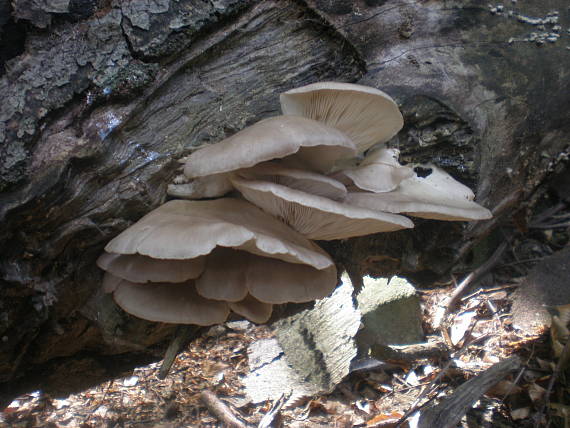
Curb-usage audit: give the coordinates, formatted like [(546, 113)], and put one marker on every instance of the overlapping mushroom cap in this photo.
[(317, 217), (366, 115), (194, 261), (306, 142), (225, 250)]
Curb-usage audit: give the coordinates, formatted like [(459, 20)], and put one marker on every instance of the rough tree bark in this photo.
[(103, 97)]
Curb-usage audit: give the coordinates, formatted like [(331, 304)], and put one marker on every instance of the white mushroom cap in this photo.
[(437, 196), (170, 303), (367, 115), (379, 172), (189, 229), (137, 268), (306, 181), (313, 144), (253, 309), (231, 274), (317, 217)]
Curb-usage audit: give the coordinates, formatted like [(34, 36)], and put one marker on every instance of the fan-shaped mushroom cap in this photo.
[(231, 274), (367, 115), (317, 217), (437, 196), (225, 277), (306, 181), (137, 268), (170, 303), (379, 172), (189, 229), (253, 309), (313, 144)]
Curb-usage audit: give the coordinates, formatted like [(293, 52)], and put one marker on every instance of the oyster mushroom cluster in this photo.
[(291, 179)]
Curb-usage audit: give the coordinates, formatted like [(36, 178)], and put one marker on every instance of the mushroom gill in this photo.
[(366, 115)]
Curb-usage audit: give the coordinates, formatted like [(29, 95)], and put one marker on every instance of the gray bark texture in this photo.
[(99, 99)]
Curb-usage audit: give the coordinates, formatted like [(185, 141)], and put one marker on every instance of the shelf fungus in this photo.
[(292, 179), (226, 251)]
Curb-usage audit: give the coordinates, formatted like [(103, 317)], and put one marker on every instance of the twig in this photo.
[(550, 226), (220, 410), (270, 416), (182, 335), (409, 353), (473, 277), (548, 213)]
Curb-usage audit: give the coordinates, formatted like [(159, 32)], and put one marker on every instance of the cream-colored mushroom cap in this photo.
[(367, 115), (137, 268), (379, 172), (170, 303), (306, 181), (188, 229), (253, 309), (437, 196), (312, 144), (230, 275), (317, 217)]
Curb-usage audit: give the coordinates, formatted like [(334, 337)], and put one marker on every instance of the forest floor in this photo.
[(480, 334)]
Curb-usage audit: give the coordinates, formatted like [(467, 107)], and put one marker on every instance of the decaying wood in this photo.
[(451, 409), (312, 354), (319, 343), (98, 104)]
